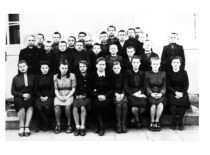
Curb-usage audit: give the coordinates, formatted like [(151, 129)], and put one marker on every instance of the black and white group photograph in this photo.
[(117, 78), (101, 76)]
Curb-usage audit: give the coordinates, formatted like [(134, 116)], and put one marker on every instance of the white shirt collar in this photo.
[(100, 74), (148, 52), (122, 43)]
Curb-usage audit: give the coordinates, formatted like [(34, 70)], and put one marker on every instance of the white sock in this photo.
[(82, 127), (78, 127), (27, 130), (21, 130)]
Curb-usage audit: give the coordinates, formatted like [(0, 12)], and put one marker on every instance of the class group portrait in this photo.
[(117, 81)]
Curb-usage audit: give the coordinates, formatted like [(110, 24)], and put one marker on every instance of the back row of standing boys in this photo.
[(115, 76)]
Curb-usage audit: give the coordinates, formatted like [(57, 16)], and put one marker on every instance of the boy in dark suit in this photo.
[(170, 51)]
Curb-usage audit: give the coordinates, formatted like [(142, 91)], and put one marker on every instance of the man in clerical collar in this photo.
[(122, 37), (138, 31), (111, 30), (88, 43)]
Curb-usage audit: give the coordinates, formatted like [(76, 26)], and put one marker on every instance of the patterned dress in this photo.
[(64, 87)]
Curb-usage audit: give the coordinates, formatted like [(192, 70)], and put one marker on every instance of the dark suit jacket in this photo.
[(168, 53), (33, 56)]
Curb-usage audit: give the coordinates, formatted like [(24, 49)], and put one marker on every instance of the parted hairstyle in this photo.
[(116, 63), (136, 57), (44, 62), (83, 62), (64, 62), (100, 59), (21, 62), (154, 58), (177, 57)]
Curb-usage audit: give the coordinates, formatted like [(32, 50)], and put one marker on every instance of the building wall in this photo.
[(156, 25)]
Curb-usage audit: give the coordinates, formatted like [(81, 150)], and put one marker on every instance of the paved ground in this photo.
[(191, 133)]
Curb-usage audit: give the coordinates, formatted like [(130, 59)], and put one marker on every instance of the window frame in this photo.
[(11, 23)]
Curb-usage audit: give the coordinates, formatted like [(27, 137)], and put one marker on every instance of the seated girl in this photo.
[(22, 90), (155, 82), (64, 83), (177, 84), (82, 98)]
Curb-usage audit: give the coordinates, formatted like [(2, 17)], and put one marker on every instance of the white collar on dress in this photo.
[(100, 74)]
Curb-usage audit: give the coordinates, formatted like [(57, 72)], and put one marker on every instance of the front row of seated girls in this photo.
[(102, 93)]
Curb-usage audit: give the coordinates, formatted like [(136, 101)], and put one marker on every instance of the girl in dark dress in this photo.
[(101, 92), (155, 82), (22, 90), (44, 91), (177, 84), (120, 100), (135, 90), (82, 98)]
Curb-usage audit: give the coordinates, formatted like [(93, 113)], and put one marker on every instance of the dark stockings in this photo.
[(44, 113), (177, 113)]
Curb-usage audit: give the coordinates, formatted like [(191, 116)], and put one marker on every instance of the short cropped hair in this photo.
[(83, 62), (100, 59), (48, 41), (97, 44), (112, 27), (72, 37), (136, 57), (80, 41), (103, 32), (130, 46), (121, 31), (57, 33), (177, 57), (131, 29), (174, 33), (113, 44), (45, 62), (63, 42), (154, 58), (82, 33), (116, 63), (40, 34)]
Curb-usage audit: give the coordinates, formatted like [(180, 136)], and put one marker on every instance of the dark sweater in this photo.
[(134, 82), (177, 81), (101, 85), (33, 56), (44, 86)]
